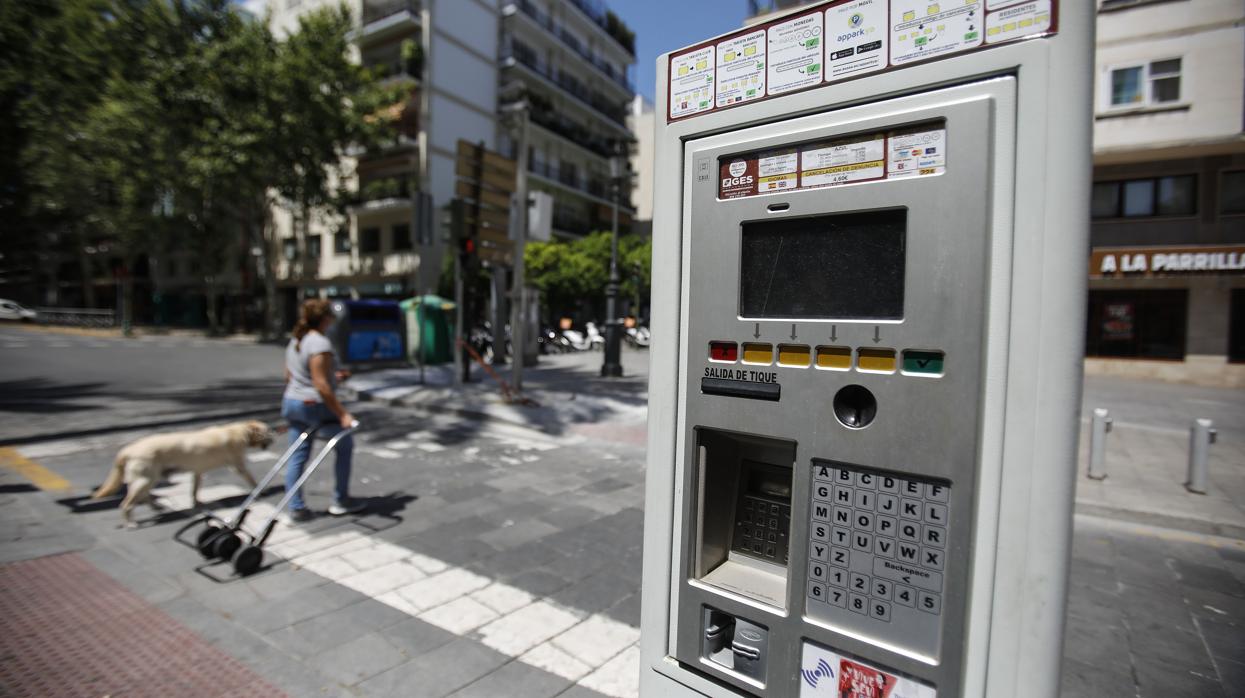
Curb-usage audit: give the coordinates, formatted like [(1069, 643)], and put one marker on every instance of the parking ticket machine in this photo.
[(869, 240)]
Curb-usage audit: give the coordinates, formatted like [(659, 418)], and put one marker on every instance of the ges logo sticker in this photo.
[(736, 170)]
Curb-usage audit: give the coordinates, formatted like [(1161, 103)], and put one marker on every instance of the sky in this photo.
[(665, 25)]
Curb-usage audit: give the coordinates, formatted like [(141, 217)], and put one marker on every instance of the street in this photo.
[(497, 557)]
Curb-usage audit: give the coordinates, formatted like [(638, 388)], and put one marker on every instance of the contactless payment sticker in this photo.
[(924, 29), (741, 69), (1021, 20), (826, 674), (691, 82), (855, 39), (795, 54), (916, 152)]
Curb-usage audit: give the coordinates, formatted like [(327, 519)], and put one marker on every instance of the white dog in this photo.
[(142, 463)]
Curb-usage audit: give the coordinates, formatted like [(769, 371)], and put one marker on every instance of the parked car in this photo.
[(11, 310)]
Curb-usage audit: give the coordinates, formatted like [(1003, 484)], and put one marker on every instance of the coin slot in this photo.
[(855, 407)]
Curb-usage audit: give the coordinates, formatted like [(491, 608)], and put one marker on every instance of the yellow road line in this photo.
[(38, 475)]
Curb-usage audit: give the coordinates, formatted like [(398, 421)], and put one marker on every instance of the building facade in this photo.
[(456, 56), (1167, 268)]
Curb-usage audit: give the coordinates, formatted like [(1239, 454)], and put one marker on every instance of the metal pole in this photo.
[(612, 367), (519, 295), (1201, 435), (1100, 426), (459, 336)]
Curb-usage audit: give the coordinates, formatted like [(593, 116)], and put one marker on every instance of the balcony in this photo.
[(383, 193), (568, 179), (384, 17), (520, 53), (546, 22)]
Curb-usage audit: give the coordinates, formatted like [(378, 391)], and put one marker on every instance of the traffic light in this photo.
[(463, 234)]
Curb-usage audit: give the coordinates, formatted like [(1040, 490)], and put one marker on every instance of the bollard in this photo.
[(1100, 426), (1201, 435)]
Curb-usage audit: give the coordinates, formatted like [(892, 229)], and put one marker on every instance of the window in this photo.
[(369, 241), (1150, 84), (1143, 198), (341, 242), (401, 237), (289, 249), (1236, 326), (1147, 324), (1232, 192), (313, 246)]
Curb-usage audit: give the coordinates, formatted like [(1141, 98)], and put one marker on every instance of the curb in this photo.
[(1179, 523), (135, 426)]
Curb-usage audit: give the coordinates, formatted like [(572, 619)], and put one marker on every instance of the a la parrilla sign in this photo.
[(1119, 262)]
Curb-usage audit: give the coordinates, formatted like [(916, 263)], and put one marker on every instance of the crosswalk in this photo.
[(590, 649)]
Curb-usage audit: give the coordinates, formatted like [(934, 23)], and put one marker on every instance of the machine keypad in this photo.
[(878, 544), (762, 529)]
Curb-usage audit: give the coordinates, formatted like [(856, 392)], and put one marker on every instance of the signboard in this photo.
[(1121, 262), (842, 40), (485, 182)]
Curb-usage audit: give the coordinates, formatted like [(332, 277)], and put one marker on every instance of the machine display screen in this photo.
[(837, 266)]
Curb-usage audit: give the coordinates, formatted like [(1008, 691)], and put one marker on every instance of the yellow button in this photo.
[(875, 360), (794, 355), (759, 354), (834, 358)]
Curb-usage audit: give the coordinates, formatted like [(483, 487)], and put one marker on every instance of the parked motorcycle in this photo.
[(637, 337)]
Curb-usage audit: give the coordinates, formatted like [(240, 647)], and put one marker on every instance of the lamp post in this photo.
[(612, 367)]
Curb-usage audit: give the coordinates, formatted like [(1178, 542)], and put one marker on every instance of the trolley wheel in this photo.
[(225, 545), (206, 538), (248, 560)]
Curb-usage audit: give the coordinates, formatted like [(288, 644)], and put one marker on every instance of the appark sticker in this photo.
[(855, 39)]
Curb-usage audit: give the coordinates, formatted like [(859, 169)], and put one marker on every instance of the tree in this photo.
[(573, 274)]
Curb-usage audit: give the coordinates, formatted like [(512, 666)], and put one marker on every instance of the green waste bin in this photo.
[(429, 329)]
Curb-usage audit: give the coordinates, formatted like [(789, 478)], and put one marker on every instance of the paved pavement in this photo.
[(501, 556)]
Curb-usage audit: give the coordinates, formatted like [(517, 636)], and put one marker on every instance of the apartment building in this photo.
[(1167, 268), (572, 59)]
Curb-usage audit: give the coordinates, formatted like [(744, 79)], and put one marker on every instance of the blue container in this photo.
[(368, 332)]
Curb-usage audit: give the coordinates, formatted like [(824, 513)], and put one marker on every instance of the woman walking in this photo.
[(310, 399)]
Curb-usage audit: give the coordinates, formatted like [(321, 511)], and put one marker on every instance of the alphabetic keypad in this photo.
[(878, 545)]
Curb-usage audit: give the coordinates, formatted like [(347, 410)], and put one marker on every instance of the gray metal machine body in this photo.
[(865, 380)]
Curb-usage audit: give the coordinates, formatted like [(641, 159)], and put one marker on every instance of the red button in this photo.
[(724, 351)]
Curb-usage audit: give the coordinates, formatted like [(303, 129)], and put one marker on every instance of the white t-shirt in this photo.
[(298, 363)]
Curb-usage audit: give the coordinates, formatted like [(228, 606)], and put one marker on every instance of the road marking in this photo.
[(38, 475), (1168, 534), (592, 650)]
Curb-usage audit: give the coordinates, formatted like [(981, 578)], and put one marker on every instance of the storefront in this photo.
[(1168, 312)]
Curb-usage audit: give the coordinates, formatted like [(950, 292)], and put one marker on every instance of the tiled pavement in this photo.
[(501, 556)]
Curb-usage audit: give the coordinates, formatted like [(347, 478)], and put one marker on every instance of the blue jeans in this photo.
[(301, 418)]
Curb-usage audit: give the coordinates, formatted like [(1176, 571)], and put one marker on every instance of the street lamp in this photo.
[(612, 367)]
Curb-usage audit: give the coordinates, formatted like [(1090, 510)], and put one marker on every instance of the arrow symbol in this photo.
[(834, 333), (877, 334), (793, 330), (756, 334), (907, 579)]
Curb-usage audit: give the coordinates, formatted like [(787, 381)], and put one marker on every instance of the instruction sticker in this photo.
[(741, 69), (923, 29), (826, 674), (777, 171), (855, 39), (842, 162), (916, 152), (795, 54), (691, 83), (1015, 22), (1000, 4)]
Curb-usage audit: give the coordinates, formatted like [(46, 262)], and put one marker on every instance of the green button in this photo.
[(928, 362)]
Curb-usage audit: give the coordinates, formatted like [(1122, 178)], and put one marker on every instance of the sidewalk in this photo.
[(570, 395)]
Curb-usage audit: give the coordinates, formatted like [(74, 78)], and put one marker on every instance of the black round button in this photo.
[(855, 407)]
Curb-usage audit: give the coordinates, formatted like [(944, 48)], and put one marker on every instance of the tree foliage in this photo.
[(152, 125), (573, 274)]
